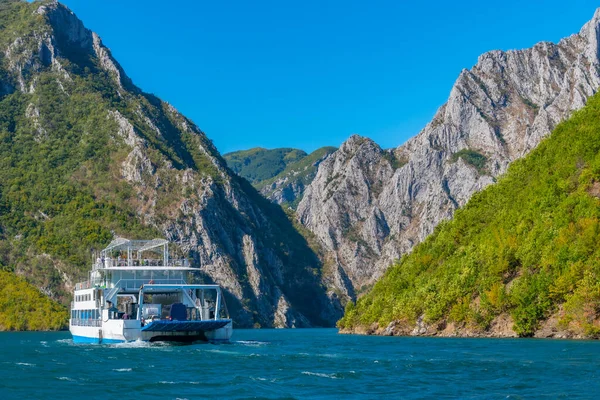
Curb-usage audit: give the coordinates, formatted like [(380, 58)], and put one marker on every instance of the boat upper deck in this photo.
[(126, 262)]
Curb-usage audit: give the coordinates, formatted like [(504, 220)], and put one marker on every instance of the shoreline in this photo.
[(500, 328), (485, 335)]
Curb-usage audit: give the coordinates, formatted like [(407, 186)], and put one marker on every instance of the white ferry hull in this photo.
[(88, 334), (121, 331), (220, 335)]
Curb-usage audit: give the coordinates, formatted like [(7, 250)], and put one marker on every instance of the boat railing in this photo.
[(104, 263), (86, 322), (137, 283), (127, 283), (83, 285)]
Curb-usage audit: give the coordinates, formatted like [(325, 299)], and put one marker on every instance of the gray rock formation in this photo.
[(181, 185), (368, 206)]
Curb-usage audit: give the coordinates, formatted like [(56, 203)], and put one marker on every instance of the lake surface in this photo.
[(308, 363)]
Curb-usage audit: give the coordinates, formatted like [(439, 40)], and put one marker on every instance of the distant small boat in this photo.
[(135, 292)]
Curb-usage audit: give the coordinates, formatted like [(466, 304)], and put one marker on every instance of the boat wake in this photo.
[(140, 344), (253, 343)]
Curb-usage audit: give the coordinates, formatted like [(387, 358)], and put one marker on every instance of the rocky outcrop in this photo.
[(285, 189), (368, 206), (180, 184)]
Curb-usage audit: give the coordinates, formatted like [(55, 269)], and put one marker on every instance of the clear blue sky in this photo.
[(310, 73)]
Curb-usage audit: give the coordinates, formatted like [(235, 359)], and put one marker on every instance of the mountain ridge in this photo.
[(519, 259), (368, 206), (87, 155)]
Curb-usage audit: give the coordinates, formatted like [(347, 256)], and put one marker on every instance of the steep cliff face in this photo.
[(106, 158), (368, 206)]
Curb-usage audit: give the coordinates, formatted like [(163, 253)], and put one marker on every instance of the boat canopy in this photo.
[(122, 244)]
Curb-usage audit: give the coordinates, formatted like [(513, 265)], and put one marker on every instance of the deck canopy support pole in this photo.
[(140, 303), (218, 303)]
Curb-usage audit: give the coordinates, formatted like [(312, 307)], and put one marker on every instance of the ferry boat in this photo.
[(136, 292)]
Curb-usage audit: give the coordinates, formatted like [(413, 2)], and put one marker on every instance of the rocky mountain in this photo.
[(521, 258), (86, 155), (368, 206), (281, 175)]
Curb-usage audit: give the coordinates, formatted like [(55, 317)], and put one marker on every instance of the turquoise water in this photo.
[(309, 363)]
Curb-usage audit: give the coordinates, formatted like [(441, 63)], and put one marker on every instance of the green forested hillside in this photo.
[(25, 308), (278, 170), (259, 164), (85, 156), (527, 247), (60, 192), (302, 169)]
